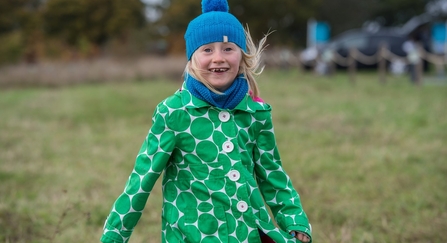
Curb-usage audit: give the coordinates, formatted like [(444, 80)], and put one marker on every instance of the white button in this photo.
[(242, 206), (234, 175), (228, 146), (224, 116)]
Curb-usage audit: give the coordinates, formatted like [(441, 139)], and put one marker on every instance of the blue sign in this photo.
[(438, 34), (318, 32), (322, 32)]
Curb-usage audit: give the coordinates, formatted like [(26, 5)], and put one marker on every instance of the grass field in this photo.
[(369, 160)]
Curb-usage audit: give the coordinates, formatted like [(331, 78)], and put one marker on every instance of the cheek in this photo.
[(201, 61), (236, 61), (201, 65)]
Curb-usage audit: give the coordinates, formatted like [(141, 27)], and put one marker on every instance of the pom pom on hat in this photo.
[(215, 24), (216, 5)]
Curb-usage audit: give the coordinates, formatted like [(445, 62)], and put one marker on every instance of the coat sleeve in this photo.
[(149, 164), (274, 183)]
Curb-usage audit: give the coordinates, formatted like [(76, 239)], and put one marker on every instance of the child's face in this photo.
[(219, 63)]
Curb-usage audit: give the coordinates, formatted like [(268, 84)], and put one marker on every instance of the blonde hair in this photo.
[(250, 65)]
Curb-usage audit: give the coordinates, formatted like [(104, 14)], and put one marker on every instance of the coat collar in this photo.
[(247, 104)]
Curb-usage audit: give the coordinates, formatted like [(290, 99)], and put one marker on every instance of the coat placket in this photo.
[(219, 167)]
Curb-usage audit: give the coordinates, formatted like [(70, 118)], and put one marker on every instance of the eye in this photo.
[(207, 50), (228, 49)]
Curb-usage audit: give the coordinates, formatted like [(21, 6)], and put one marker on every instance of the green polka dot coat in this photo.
[(219, 167)]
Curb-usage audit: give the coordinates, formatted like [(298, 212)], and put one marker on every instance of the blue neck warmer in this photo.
[(228, 100)]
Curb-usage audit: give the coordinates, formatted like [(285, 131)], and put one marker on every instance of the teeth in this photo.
[(219, 69)]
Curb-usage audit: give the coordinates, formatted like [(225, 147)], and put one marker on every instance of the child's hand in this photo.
[(300, 236)]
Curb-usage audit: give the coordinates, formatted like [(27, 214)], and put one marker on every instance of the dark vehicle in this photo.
[(366, 42)]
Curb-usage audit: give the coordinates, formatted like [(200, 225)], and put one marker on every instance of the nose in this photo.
[(218, 57)]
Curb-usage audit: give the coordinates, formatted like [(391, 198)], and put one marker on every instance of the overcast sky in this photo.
[(152, 14), (151, 1)]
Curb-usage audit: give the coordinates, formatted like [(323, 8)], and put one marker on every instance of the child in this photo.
[(213, 140)]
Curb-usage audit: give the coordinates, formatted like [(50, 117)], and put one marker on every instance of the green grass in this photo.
[(369, 160)]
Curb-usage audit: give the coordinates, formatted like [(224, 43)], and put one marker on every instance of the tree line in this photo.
[(32, 30)]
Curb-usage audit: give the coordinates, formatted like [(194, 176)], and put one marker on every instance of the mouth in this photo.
[(218, 70)]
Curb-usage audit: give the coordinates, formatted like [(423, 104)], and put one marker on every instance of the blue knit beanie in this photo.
[(215, 24)]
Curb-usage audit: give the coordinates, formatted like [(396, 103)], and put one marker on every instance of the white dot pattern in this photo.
[(218, 167)]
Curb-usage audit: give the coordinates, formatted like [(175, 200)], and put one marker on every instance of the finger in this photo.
[(303, 237)]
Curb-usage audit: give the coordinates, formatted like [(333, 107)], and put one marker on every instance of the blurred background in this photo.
[(358, 91), (115, 35)]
